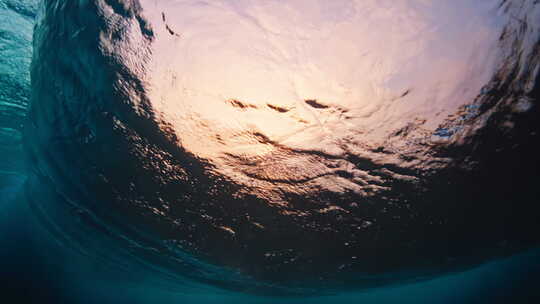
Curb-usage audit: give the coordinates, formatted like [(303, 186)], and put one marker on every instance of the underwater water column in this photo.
[(270, 151)]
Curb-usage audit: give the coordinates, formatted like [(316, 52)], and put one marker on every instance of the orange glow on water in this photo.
[(370, 67)]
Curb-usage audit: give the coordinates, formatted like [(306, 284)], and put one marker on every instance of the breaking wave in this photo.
[(283, 148)]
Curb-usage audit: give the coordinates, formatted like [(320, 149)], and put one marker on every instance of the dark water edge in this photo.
[(38, 269)]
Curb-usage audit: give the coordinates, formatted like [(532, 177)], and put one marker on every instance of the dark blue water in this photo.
[(39, 264), (37, 269)]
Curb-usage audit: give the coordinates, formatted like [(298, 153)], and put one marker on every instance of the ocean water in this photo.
[(52, 254)]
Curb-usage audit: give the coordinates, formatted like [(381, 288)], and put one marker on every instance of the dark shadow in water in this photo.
[(37, 269)]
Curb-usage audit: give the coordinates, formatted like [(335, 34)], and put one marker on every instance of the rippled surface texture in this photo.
[(280, 146), (14, 85)]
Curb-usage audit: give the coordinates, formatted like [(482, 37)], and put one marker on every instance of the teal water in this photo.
[(36, 267)]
